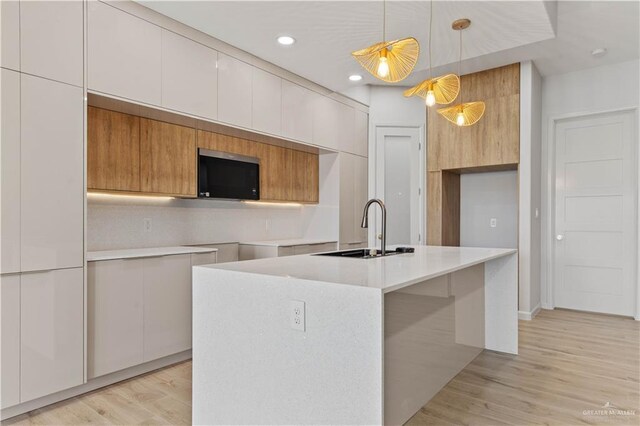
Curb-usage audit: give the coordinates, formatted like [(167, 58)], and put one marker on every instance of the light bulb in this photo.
[(383, 67), (431, 98), (460, 119)]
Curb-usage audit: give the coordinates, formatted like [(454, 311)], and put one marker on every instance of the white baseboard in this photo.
[(528, 316), (94, 384)]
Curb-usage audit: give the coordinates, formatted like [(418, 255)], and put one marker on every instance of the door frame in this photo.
[(373, 177), (549, 195)]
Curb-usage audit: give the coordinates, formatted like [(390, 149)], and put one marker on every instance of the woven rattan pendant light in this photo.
[(464, 113), (389, 61), (439, 90)]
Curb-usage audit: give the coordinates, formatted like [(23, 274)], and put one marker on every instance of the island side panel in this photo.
[(501, 304), (251, 367)]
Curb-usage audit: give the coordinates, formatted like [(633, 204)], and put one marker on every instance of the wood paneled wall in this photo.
[(134, 154), (492, 144)]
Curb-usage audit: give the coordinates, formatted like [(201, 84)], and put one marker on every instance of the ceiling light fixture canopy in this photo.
[(464, 113), (439, 90), (389, 61)]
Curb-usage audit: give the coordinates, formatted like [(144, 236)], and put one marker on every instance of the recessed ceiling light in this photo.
[(355, 77), (599, 52), (286, 40)]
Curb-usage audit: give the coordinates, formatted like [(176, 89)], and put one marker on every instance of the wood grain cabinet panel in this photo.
[(168, 158), (51, 332), (51, 40), (113, 151), (305, 177), (276, 167), (10, 34), (10, 172)]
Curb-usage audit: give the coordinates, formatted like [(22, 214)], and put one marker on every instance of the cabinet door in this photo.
[(10, 34), (305, 177), (51, 168), (360, 196), (267, 102), (51, 332), (297, 112), (189, 76), (361, 138), (347, 212), (113, 150), (275, 173), (326, 122), (10, 171), (346, 128), (203, 258), (167, 158), (10, 343), (114, 317), (234, 91), (124, 54), (51, 40), (167, 306), (286, 251)]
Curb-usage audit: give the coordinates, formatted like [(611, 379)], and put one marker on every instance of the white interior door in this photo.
[(399, 171), (595, 214)]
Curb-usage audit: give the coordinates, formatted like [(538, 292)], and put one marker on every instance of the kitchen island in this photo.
[(326, 340)]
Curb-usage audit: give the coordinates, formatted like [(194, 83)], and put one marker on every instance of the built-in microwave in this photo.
[(228, 176)]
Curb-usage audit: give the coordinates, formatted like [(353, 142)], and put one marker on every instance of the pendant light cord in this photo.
[(430, 26), (384, 20), (460, 66)]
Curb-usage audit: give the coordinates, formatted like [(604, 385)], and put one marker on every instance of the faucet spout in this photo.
[(365, 221)]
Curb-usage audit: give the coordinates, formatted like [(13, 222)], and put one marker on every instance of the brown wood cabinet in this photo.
[(285, 174), (134, 154), (113, 151), (167, 158)]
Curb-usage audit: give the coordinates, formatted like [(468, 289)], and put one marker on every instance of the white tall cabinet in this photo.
[(41, 199), (353, 196)]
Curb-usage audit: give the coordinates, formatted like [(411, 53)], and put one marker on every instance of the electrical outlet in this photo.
[(297, 315), (147, 225), (493, 222)]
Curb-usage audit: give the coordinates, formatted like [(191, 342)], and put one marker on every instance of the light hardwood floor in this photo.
[(569, 363)]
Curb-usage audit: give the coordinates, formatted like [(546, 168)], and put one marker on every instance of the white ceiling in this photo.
[(557, 36)]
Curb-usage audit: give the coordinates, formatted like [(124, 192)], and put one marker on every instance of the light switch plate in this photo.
[(493, 222)]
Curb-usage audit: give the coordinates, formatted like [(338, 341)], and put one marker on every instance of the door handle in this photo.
[(559, 237)]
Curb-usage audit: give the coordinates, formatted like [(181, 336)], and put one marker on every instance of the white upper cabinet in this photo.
[(297, 112), (234, 91), (51, 40), (10, 172), (51, 332), (10, 340), (326, 122), (346, 128), (51, 169), (10, 34), (124, 54), (189, 76), (361, 139), (267, 102)]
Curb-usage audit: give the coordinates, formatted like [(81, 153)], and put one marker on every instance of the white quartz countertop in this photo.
[(286, 243), (385, 273), (93, 256)]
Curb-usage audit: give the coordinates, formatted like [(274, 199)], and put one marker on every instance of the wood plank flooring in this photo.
[(571, 364)]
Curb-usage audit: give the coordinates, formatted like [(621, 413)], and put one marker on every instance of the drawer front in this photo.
[(203, 258)]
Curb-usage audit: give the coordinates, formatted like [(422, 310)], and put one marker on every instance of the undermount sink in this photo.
[(357, 254)]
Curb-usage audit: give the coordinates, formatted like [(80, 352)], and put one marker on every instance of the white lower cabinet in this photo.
[(139, 310), (10, 340), (167, 306), (115, 298), (255, 251), (51, 332)]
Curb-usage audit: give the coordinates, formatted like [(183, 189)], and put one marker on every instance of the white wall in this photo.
[(600, 89), (120, 223), (529, 176), (484, 196)]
